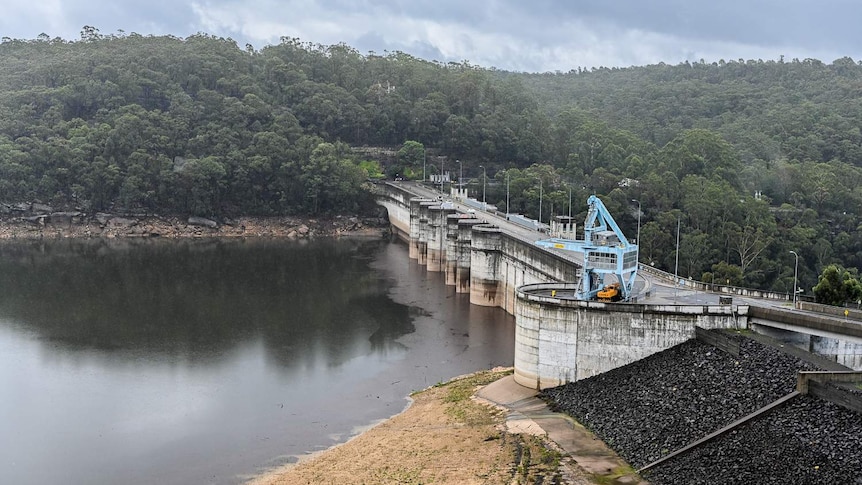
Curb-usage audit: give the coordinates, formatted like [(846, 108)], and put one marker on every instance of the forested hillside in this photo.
[(755, 159)]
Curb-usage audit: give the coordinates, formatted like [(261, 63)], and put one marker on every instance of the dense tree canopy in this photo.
[(753, 159), (837, 286)]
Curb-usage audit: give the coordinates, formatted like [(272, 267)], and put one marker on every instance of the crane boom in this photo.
[(605, 250)]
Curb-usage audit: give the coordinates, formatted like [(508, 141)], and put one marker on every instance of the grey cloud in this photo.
[(539, 35), (826, 23), (373, 41), (142, 16)]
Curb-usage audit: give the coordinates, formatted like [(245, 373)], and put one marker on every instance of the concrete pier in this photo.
[(424, 219), (485, 265), (451, 243), (436, 228), (413, 239), (463, 253)]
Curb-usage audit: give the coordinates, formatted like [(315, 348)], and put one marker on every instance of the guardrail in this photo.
[(838, 311), (716, 288)]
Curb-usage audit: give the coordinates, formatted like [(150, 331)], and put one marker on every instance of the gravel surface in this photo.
[(807, 442), (660, 404)]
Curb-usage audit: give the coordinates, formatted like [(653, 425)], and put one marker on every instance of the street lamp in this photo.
[(540, 202), (570, 202), (484, 180), (795, 276), (424, 159), (460, 177), (507, 195), (441, 175), (639, 229), (676, 266)]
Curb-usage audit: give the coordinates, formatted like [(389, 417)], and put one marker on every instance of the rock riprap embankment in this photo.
[(657, 405)]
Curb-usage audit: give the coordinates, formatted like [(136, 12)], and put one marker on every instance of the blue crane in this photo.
[(606, 251)]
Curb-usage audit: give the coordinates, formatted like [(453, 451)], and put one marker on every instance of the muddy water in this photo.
[(212, 361)]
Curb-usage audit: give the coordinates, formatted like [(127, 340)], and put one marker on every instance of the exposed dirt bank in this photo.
[(444, 437)]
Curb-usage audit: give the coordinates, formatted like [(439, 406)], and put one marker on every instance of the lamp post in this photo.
[(676, 265), (639, 229), (441, 175), (570, 202), (460, 177), (484, 180), (540, 202), (795, 276), (424, 159), (507, 195)]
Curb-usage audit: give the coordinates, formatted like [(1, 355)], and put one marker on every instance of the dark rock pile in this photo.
[(652, 407), (809, 441)]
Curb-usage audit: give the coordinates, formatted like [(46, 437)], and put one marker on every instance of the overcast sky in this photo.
[(522, 35)]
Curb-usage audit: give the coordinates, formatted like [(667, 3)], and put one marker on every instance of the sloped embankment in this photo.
[(652, 407)]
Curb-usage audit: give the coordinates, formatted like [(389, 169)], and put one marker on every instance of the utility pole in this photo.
[(484, 180), (441, 175), (424, 160), (507, 194), (460, 177), (676, 266), (639, 230), (795, 276), (540, 202)]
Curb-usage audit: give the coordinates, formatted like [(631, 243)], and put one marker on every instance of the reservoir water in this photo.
[(134, 361)]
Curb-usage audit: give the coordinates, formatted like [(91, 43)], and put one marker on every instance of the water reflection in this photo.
[(196, 300), (202, 361)]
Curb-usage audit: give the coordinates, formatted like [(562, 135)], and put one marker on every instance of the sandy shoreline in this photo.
[(276, 472), (444, 436)]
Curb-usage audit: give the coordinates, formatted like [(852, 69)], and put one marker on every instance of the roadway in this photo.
[(489, 217)]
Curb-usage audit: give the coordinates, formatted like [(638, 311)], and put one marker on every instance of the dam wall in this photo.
[(558, 338)]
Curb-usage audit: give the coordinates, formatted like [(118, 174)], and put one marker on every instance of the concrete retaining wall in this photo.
[(837, 339), (399, 218), (559, 341), (524, 263)]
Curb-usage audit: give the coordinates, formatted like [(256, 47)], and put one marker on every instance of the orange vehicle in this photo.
[(610, 293)]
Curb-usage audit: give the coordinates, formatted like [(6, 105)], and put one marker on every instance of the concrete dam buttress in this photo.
[(558, 339)]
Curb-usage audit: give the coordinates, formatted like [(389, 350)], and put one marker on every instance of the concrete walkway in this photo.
[(529, 414)]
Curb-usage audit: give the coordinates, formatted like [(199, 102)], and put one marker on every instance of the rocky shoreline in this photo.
[(39, 221)]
